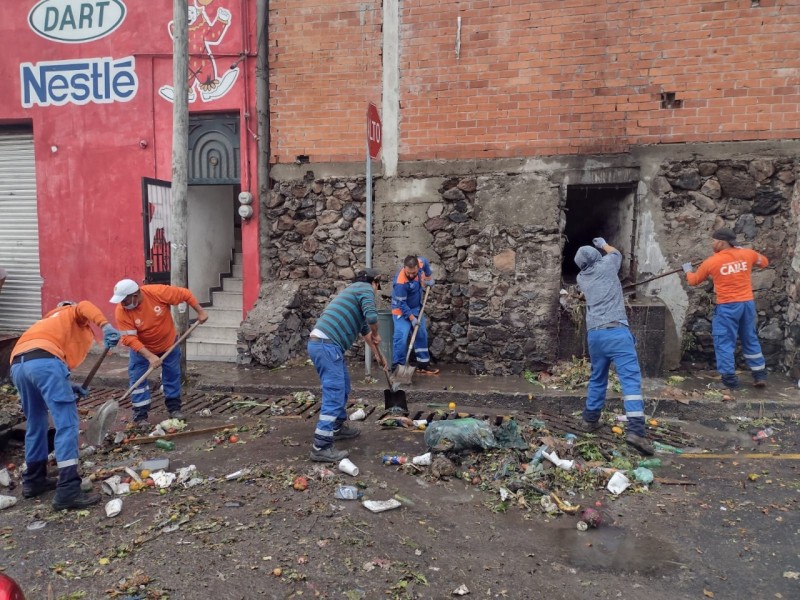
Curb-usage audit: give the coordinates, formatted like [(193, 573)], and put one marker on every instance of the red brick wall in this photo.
[(537, 78), (325, 68)]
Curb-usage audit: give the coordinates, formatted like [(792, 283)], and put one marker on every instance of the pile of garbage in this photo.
[(569, 375), (545, 464)]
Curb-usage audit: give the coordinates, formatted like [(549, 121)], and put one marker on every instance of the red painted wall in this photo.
[(89, 188), (537, 77)]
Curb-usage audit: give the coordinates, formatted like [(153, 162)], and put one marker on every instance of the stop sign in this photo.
[(374, 130)]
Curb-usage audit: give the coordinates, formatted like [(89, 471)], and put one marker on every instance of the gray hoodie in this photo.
[(599, 282)]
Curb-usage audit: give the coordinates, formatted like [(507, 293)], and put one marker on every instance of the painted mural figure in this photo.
[(204, 32)]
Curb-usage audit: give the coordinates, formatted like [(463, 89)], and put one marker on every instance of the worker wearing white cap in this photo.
[(145, 322)]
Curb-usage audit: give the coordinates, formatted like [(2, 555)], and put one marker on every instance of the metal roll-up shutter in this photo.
[(21, 296)]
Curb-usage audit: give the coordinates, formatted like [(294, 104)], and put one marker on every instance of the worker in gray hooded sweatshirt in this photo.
[(610, 340)]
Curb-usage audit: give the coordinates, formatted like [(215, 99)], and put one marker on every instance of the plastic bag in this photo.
[(643, 475), (508, 435), (462, 434)]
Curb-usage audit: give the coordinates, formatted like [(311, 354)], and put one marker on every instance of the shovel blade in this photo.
[(395, 400), (403, 375), (102, 423)]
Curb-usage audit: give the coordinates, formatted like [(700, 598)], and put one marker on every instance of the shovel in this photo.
[(95, 367), (649, 279), (394, 401), (106, 415), (404, 373)]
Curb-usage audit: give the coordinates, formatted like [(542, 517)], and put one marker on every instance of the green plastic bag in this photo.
[(463, 434)]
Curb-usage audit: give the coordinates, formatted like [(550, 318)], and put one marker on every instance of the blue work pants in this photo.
[(732, 320), (402, 329), (615, 345), (170, 380), (44, 386), (329, 362)]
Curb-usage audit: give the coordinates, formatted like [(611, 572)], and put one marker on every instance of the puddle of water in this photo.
[(611, 549)]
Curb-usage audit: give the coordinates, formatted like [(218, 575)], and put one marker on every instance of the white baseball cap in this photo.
[(123, 289)]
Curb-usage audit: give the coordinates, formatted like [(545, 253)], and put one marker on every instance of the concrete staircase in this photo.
[(216, 339)]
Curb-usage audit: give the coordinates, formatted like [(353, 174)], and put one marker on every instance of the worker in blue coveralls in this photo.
[(730, 267), (610, 340), (351, 312), (406, 305), (40, 368)]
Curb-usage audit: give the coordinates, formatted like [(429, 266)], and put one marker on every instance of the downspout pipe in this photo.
[(262, 110)]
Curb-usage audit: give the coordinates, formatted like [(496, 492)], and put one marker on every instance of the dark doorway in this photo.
[(599, 210)]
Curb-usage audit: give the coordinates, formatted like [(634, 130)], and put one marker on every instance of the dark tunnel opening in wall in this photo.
[(599, 210)]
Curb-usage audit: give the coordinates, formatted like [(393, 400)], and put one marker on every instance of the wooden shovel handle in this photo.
[(163, 356), (149, 440), (96, 366), (381, 359), (419, 322)]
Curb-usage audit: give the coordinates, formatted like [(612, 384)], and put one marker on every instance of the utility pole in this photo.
[(179, 255), (262, 108)]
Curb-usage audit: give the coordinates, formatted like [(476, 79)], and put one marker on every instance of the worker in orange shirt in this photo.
[(40, 367), (145, 322), (735, 315)]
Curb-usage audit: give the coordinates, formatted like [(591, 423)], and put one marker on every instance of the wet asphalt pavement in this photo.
[(723, 527)]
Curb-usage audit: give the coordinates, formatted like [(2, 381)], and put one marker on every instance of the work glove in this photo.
[(429, 282), (599, 243), (687, 267), (80, 392), (413, 321), (110, 336)]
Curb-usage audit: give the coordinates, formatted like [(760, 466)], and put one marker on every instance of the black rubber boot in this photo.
[(35, 481), (68, 492), (173, 404), (140, 415)]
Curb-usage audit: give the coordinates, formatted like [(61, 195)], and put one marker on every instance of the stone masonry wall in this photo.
[(497, 307), (493, 234), (752, 197), (496, 259), (317, 243)]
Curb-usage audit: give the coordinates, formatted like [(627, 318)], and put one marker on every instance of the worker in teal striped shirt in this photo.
[(350, 313)]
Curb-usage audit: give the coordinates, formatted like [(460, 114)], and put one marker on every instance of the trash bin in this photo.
[(386, 331)]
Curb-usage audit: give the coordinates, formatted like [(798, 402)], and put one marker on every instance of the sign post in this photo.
[(374, 142)]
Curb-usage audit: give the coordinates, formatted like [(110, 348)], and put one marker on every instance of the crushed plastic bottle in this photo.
[(538, 456), (165, 444), (666, 448), (760, 436), (394, 460), (649, 463), (347, 492)]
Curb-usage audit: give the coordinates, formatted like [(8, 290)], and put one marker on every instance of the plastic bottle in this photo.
[(649, 463), (394, 460), (347, 492), (165, 444), (763, 434), (538, 456), (666, 448)]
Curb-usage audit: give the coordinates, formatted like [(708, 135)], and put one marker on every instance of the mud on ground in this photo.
[(729, 531)]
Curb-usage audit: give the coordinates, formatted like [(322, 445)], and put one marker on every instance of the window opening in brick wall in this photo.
[(668, 100), (599, 210)]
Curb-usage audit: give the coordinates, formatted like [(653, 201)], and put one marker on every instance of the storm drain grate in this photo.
[(292, 406)]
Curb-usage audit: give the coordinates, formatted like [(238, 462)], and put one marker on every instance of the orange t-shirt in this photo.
[(150, 324), (730, 269), (64, 332)]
